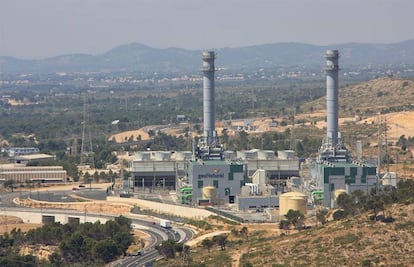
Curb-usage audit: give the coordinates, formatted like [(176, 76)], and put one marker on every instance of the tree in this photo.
[(151, 133), (347, 203), (107, 250), (86, 177), (295, 217), (55, 259), (167, 248), (321, 216), (284, 224), (207, 243), (123, 240), (245, 232), (376, 204), (186, 254), (339, 215), (221, 241), (96, 176), (9, 184)]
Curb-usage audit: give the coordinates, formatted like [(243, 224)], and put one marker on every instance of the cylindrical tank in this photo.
[(332, 70), (208, 95), (292, 201), (209, 192)]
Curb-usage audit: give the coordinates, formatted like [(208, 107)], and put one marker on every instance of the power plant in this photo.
[(212, 179), (333, 171), (209, 175)]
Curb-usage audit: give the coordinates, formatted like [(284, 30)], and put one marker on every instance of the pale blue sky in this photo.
[(44, 28)]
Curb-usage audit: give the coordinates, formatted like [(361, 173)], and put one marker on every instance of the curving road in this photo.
[(157, 233)]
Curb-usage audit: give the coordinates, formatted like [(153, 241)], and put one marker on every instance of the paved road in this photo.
[(156, 232)]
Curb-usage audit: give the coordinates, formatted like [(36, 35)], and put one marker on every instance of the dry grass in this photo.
[(355, 241), (124, 136), (8, 223)]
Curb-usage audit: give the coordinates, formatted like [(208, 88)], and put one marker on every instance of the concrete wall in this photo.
[(36, 217), (256, 202), (183, 211)]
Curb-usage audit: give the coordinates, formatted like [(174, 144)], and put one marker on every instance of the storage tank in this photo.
[(209, 192), (292, 201)]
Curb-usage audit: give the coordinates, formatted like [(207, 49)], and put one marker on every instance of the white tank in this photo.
[(338, 192), (292, 201), (209, 192)]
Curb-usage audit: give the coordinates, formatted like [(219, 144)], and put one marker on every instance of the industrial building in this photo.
[(16, 151), (258, 194), (158, 169), (152, 169), (334, 172), (285, 165), (25, 159), (208, 174), (348, 176), (19, 173), (215, 181)]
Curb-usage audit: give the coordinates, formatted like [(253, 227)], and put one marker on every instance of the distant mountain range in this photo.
[(142, 58)]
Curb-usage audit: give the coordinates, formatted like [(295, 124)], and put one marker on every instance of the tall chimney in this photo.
[(332, 70), (208, 96)]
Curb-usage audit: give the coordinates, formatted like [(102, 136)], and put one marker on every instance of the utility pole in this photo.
[(386, 145), (379, 144), (86, 146)]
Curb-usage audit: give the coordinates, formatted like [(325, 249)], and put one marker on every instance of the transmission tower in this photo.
[(86, 146), (386, 144)]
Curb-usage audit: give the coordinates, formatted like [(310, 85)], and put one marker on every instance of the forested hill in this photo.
[(142, 58)]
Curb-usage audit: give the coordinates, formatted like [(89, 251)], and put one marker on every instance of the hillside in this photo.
[(142, 58), (360, 105), (354, 241), (383, 95)]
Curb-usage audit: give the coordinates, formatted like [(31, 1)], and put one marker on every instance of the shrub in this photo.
[(346, 239)]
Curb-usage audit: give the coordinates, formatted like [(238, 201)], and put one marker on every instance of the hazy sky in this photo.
[(44, 28)]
